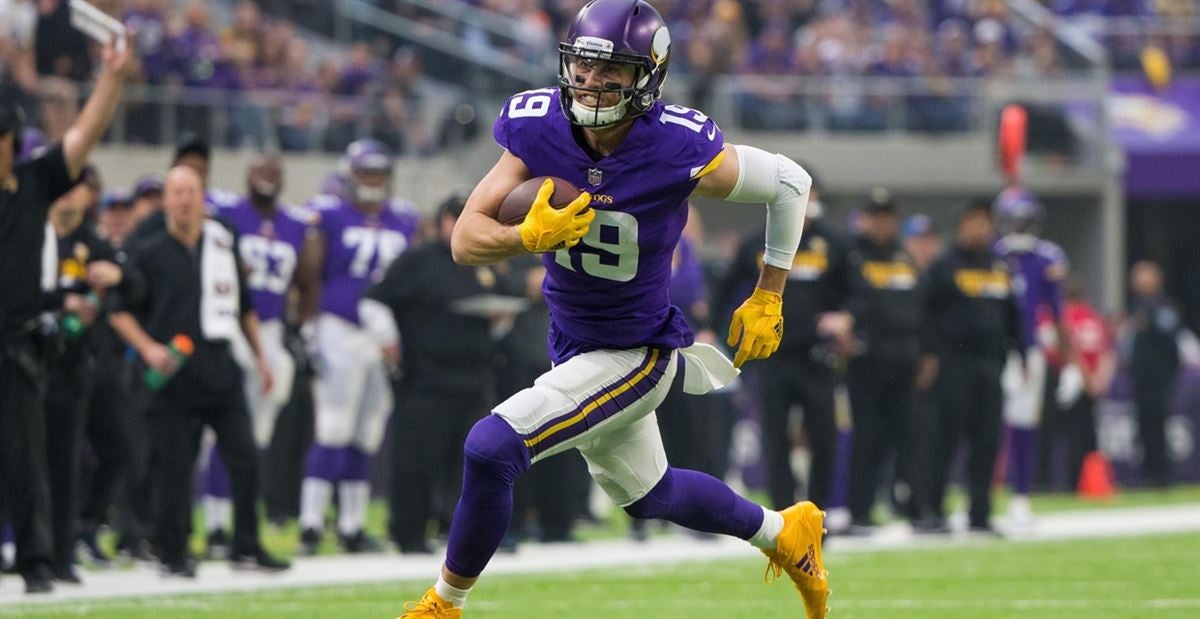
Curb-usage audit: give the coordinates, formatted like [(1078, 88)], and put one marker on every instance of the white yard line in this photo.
[(144, 580)]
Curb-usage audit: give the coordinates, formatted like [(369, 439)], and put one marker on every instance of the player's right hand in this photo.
[(549, 229)]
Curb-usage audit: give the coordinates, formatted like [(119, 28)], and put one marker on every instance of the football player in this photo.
[(1039, 268), (361, 234), (278, 248), (615, 338)]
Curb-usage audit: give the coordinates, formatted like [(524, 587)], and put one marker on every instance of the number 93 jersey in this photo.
[(358, 249), (269, 248), (611, 289)]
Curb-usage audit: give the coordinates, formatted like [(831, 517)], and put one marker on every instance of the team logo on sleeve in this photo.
[(595, 176)]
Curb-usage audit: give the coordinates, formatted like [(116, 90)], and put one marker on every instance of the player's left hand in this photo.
[(547, 229), (758, 324)]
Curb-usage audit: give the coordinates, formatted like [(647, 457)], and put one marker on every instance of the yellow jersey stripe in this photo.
[(712, 165), (618, 390)]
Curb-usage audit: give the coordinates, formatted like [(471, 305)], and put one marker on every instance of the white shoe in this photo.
[(1020, 514)]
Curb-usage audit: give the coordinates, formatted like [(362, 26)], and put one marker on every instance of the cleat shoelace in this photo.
[(425, 605)]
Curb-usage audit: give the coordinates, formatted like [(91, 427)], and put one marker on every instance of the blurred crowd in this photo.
[(234, 77), (258, 83)]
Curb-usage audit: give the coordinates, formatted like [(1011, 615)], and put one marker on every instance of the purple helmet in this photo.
[(1016, 208), (368, 155), (629, 32)]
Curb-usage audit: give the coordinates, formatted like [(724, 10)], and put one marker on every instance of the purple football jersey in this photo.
[(1039, 268), (358, 249), (611, 290), (270, 249)]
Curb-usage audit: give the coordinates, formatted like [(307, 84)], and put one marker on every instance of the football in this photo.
[(516, 204)]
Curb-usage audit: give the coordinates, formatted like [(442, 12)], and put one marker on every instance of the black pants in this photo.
[(137, 490), (109, 432), (969, 404), (787, 380), (881, 397), (24, 487), (1067, 437), (689, 430), (549, 489), (429, 428), (177, 428), (1153, 405), (67, 396), (283, 464)]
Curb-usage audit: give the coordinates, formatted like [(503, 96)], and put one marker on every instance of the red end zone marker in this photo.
[(1011, 140)]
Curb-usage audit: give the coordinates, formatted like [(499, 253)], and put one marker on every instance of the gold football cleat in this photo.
[(798, 552)]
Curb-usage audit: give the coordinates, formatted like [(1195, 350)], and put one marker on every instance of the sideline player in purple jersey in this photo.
[(278, 248), (615, 338), (361, 234), (1039, 268)]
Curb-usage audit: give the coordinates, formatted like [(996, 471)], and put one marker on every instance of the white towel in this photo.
[(706, 369), (49, 259), (219, 309)]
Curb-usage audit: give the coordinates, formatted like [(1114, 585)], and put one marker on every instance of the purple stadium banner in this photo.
[(1160, 134)]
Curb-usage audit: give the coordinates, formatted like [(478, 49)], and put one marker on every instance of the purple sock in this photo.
[(355, 464), (7, 536), (699, 502), (1022, 452), (495, 457), (216, 480), (323, 463)]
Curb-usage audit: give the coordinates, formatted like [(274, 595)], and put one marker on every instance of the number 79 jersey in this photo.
[(611, 290), (358, 249)]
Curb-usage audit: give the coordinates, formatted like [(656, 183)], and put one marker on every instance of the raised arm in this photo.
[(93, 121)]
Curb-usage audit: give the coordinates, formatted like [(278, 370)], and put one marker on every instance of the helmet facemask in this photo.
[(593, 54)]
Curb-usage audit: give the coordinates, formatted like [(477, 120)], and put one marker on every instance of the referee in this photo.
[(185, 280), (26, 191)]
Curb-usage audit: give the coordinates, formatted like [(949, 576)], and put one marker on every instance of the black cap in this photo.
[(880, 201), (976, 205), (453, 205), (146, 185), (191, 144)]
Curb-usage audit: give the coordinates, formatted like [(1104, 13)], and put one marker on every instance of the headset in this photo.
[(12, 120)]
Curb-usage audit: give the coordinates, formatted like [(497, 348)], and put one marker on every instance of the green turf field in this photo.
[(1119, 578), (284, 540)]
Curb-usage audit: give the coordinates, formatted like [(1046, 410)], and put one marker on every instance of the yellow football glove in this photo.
[(548, 229), (761, 316)]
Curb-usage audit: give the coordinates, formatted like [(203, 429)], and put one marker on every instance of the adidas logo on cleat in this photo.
[(808, 563)]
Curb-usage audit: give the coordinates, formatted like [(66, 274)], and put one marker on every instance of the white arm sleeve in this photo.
[(378, 320), (784, 186)]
